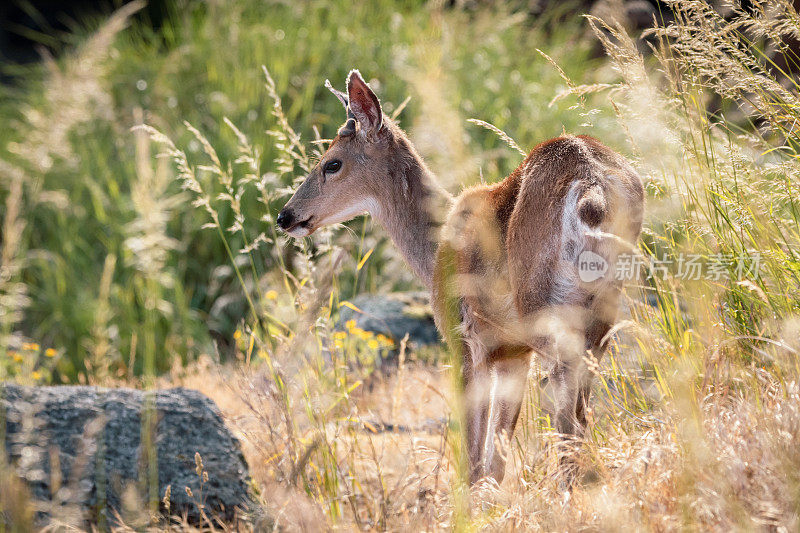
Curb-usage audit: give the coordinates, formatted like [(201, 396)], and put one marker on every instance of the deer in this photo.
[(503, 257)]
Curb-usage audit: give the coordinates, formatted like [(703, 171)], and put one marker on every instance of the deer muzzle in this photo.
[(288, 222)]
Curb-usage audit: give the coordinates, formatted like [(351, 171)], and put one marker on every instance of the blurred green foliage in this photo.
[(204, 64)]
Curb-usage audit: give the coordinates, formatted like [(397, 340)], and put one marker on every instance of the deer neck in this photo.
[(414, 211)]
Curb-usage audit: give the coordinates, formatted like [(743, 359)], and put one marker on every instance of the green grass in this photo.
[(202, 66)]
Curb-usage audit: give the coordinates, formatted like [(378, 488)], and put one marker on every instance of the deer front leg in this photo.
[(510, 378)]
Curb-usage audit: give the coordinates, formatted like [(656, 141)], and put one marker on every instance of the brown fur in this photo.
[(515, 246)]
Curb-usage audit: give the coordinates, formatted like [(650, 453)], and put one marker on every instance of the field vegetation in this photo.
[(140, 172)]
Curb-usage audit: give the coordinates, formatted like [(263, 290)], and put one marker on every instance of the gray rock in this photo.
[(394, 315), (95, 436)]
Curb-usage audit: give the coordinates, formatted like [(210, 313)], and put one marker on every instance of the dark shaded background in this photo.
[(26, 26)]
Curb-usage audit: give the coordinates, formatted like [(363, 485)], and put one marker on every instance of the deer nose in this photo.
[(285, 218)]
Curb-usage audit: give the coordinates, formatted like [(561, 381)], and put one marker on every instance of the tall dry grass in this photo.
[(695, 420)]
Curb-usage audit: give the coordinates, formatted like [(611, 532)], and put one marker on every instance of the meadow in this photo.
[(141, 170)]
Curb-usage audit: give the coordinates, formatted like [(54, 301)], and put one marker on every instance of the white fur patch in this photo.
[(573, 242), (364, 205), (299, 232), (573, 228)]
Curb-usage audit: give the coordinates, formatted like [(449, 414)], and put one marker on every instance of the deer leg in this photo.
[(566, 383), (595, 335), (585, 389), (582, 404), (508, 390), (476, 393)]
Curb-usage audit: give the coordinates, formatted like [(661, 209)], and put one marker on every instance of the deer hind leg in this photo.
[(582, 405), (585, 391), (476, 382), (570, 392), (510, 375), (595, 339)]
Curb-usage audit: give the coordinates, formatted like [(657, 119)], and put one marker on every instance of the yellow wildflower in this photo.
[(383, 339), (271, 295), (237, 335), (50, 352), (373, 344), (36, 375), (16, 356), (30, 346), (361, 334), (338, 343), (350, 325), (340, 335)]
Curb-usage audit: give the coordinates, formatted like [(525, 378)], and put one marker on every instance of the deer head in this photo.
[(348, 178)]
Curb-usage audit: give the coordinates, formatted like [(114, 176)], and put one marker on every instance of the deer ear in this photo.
[(339, 94), (349, 127), (363, 103)]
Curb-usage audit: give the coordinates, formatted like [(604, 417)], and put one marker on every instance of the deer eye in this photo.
[(332, 167)]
